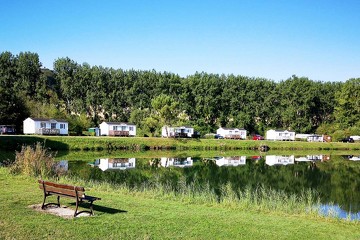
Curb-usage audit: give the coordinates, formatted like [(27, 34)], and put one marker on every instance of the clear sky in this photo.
[(274, 39)]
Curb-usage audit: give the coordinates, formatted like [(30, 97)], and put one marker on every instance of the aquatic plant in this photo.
[(35, 161)]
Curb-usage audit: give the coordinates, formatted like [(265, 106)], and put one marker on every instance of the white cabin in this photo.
[(231, 161), (280, 135), (356, 138), (176, 162), (232, 133), (115, 163), (45, 126), (315, 138), (183, 131), (272, 160), (312, 158), (117, 129)]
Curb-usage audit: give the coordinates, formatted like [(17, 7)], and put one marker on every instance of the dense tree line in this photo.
[(86, 95)]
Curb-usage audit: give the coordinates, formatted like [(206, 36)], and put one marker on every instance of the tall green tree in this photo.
[(166, 109), (28, 73), (65, 70), (347, 110)]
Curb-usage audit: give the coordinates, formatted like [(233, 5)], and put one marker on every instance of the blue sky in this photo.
[(318, 39)]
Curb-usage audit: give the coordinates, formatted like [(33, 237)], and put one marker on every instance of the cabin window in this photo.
[(53, 126), (123, 128), (114, 128), (62, 126), (43, 125), (131, 128)]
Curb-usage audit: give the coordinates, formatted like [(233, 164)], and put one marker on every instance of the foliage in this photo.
[(34, 161), (152, 99), (347, 111)]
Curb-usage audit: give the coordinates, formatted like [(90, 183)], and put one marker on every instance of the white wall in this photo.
[(29, 126), (233, 131), (280, 135), (172, 130), (106, 127), (33, 127)]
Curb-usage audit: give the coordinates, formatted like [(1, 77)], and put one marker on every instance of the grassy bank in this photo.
[(140, 143), (124, 214)]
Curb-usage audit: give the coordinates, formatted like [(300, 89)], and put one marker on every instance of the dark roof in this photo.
[(119, 123), (232, 128), (47, 119), (282, 130)]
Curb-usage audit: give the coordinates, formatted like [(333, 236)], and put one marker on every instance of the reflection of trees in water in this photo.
[(336, 181)]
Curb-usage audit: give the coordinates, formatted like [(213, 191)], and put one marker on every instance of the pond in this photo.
[(335, 177)]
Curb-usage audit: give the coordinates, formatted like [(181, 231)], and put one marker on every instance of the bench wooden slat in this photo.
[(62, 191), (61, 185)]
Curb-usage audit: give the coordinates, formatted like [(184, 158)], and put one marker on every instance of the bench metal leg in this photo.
[(43, 205), (77, 206), (91, 212)]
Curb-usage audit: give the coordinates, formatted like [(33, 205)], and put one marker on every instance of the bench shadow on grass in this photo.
[(103, 209)]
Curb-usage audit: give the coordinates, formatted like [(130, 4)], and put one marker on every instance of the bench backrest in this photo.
[(64, 189)]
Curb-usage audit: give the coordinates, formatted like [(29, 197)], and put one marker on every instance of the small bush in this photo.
[(34, 161)]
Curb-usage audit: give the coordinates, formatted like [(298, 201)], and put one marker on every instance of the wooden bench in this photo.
[(63, 190)]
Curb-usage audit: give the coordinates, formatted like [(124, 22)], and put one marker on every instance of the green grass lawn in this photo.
[(66, 143), (122, 214)]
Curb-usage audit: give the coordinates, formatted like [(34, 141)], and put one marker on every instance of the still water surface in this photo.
[(335, 177)]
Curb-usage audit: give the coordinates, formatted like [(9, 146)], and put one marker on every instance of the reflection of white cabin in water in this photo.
[(312, 158), (176, 162), (231, 161), (62, 165), (115, 163), (279, 160), (354, 158)]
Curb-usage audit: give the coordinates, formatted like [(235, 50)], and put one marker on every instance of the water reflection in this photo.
[(334, 177), (354, 158), (114, 163), (312, 158), (176, 162), (337, 212), (230, 161), (272, 160), (62, 166)]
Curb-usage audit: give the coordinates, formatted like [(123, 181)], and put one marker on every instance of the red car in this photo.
[(258, 137)]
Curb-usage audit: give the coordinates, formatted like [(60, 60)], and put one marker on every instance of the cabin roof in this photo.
[(119, 123), (47, 119)]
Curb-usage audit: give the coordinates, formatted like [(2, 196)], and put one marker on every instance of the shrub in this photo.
[(34, 161)]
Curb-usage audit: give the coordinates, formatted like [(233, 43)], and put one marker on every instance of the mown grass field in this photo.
[(124, 214), (143, 143)]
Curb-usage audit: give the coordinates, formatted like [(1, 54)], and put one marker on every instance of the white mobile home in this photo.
[(315, 138), (176, 162), (280, 135), (272, 160), (355, 138), (231, 161), (312, 158), (45, 126), (232, 133), (183, 131), (115, 163), (117, 129)]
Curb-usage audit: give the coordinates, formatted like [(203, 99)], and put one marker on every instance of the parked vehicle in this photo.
[(258, 137), (218, 136), (347, 140)]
